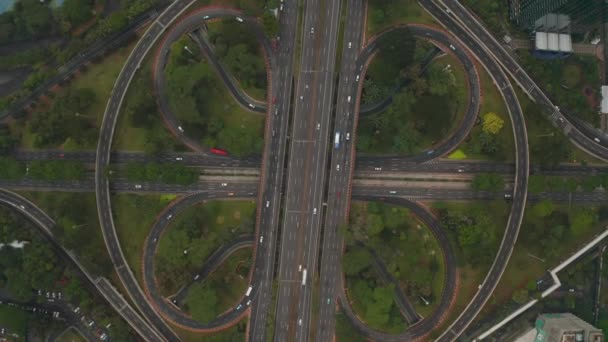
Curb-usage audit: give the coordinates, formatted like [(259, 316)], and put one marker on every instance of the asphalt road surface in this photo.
[(340, 174), (306, 170), (272, 175)]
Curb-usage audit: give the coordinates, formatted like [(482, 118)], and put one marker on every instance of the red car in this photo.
[(219, 152), (274, 100)]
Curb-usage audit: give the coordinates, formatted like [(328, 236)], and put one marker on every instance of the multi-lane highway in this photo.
[(341, 169), (272, 173), (310, 134), (364, 163)]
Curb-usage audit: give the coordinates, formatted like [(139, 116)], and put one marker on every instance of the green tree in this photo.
[(396, 47), (270, 24), (492, 123), (543, 208), (581, 220), (440, 81), (356, 260), (488, 182), (76, 12)]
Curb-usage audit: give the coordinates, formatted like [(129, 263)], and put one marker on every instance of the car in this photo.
[(300, 268), (274, 132), (561, 119), (570, 290), (197, 276), (281, 7), (430, 152), (314, 211), (348, 99), (180, 128), (596, 139), (460, 170), (350, 45), (347, 136), (274, 100), (328, 300), (301, 97), (251, 105), (239, 19), (357, 78), (231, 194), (206, 17), (137, 186), (179, 158), (224, 184), (22, 207), (312, 30), (392, 192), (276, 111), (300, 321), (267, 204), (447, 10), (452, 47), (239, 307), (507, 196), (61, 155), (103, 336), (90, 324), (318, 126), (261, 239), (249, 302), (338, 167), (339, 193), (77, 310), (377, 169)]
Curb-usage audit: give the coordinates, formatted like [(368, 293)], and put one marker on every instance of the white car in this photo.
[(197, 276), (314, 211), (452, 47), (597, 140), (318, 126), (267, 204), (252, 106), (300, 321), (392, 192), (180, 129), (348, 99), (249, 302), (377, 169), (347, 136), (137, 186), (281, 7), (350, 45), (179, 158), (300, 268), (338, 167), (239, 19), (206, 17), (170, 216), (460, 170), (224, 184), (357, 78), (261, 239), (312, 30)]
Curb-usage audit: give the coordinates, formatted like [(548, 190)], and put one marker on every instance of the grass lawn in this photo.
[(76, 212), (525, 265), (14, 320), (492, 101), (133, 218), (199, 230), (71, 335), (99, 77), (230, 272), (396, 12)]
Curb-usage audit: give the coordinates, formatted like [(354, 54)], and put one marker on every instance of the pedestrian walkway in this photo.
[(582, 49)]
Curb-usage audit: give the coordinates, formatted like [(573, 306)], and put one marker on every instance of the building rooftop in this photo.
[(551, 41)]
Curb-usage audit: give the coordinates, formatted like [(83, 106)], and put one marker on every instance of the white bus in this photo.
[(304, 277), (248, 291), (337, 140)]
